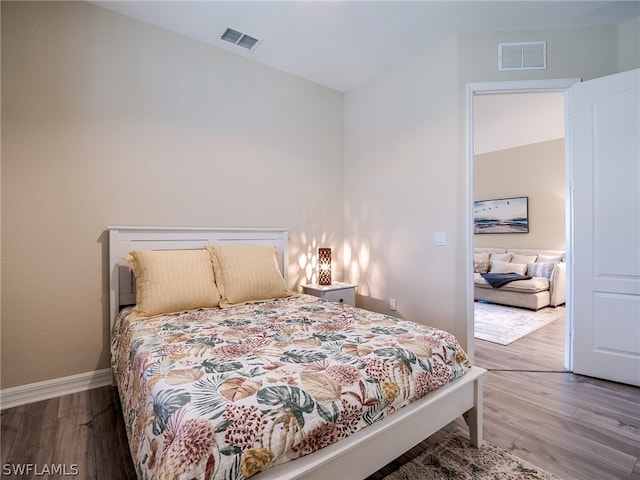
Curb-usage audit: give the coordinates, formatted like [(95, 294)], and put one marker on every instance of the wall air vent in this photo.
[(522, 56), (240, 39)]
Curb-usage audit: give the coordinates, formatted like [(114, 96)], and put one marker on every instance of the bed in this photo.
[(281, 387)]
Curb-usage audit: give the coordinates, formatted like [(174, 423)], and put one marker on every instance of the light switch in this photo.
[(439, 238)]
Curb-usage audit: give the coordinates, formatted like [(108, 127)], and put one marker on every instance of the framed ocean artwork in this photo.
[(503, 215)]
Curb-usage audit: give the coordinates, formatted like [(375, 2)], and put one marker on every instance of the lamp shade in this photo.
[(324, 266)]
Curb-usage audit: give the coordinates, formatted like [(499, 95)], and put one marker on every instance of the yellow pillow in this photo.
[(247, 274), (169, 281)]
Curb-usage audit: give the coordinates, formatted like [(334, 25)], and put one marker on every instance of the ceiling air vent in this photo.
[(240, 39), (522, 56)]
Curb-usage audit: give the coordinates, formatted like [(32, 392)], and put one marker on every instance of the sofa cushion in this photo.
[(533, 285), (537, 251), (501, 257), (508, 267), (549, 258), (481, 262), (523, 258), (540, 269)]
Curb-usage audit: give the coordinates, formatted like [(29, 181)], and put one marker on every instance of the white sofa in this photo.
[(547, 287)]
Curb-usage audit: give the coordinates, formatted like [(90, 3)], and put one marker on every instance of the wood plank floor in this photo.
[(575, 427)]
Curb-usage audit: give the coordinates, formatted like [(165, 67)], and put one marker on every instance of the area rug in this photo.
[(503, 325), (454, 458)]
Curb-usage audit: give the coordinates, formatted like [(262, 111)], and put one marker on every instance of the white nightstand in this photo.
[(336, 292)]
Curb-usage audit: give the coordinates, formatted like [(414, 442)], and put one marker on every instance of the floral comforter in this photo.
[(224, 393)]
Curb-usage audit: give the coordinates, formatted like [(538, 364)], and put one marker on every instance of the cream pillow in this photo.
[(501, 257), (247, 274), (169, 281), (523, 258), (481, 262), (507, 267)]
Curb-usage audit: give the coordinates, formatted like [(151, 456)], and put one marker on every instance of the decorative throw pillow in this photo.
[(523, 258), (501, 257), (549, 258), (170, 281), (246, 274), (540, 269), (481, 262), (507, 267)]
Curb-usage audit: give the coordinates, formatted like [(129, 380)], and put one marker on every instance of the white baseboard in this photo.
[(57, 387)]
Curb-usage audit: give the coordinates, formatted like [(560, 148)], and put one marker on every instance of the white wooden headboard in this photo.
[(125, 239)]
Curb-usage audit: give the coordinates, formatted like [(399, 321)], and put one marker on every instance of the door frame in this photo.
[(521, 86)]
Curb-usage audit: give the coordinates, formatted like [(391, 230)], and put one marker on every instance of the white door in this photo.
[(604, 165)]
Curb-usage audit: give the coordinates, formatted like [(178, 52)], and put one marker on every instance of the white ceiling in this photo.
[(341, 44), (511, 120)]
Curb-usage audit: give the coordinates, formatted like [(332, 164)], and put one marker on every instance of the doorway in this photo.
[(511, 91)]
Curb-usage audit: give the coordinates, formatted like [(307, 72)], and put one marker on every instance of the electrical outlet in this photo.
[(392, 304)]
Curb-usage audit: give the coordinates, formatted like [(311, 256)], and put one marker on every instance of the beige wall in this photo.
[(400, 166), (406, 171), (109, 121), (536, 171), (580, 52)]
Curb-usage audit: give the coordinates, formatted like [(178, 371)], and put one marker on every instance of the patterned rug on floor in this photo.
[(454, 458), (503, 325)]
